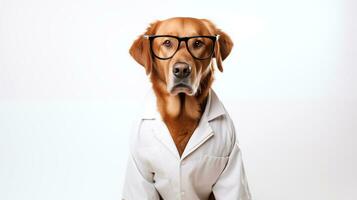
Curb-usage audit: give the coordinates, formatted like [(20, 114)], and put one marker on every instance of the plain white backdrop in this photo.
[(69, 91)]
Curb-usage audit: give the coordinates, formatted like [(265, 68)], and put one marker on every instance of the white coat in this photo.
[(211, 161)]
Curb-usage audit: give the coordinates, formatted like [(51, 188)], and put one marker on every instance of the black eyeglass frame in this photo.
[(185, 39)]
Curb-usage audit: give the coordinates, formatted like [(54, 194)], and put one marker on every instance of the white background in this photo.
[(69, 92)]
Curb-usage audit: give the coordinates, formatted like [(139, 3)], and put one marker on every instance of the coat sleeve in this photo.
[(139, 183), (232, 183)]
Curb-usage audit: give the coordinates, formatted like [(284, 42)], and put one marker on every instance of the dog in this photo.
[(186, 146)]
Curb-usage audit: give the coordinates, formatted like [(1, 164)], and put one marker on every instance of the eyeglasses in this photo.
[(165, 46)]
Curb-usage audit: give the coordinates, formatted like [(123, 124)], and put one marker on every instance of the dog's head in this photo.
[(179, 52)]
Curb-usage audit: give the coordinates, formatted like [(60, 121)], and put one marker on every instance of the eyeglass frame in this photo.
[(180, 39)]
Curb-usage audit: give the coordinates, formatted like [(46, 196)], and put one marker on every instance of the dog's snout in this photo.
[(181, 70)]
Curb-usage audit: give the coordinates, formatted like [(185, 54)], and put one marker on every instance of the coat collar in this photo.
[(202, 133)]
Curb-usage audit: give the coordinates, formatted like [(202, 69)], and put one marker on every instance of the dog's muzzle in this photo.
[(181, 82)]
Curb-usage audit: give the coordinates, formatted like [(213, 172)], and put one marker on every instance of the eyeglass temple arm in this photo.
[(148, 36)]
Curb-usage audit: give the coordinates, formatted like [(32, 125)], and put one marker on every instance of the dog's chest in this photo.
[(181, 132)]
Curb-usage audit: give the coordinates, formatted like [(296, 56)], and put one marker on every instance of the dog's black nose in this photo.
[(181, 70)]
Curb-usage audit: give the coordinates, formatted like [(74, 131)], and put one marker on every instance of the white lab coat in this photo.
[(211, 161)]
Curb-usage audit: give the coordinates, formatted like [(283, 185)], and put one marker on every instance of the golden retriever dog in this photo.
[(180, 56)]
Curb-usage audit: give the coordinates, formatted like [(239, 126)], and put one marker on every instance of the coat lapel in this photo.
[(202, 133), (161, 132), (164, 136)]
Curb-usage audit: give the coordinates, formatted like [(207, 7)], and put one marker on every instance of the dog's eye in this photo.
[(167, 43), (198, 44)]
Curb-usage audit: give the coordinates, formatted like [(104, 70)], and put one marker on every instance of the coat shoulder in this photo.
[(142, 133)]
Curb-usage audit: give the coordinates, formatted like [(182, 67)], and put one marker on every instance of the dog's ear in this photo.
[(223, 45), (140, 49), (223, 48)]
